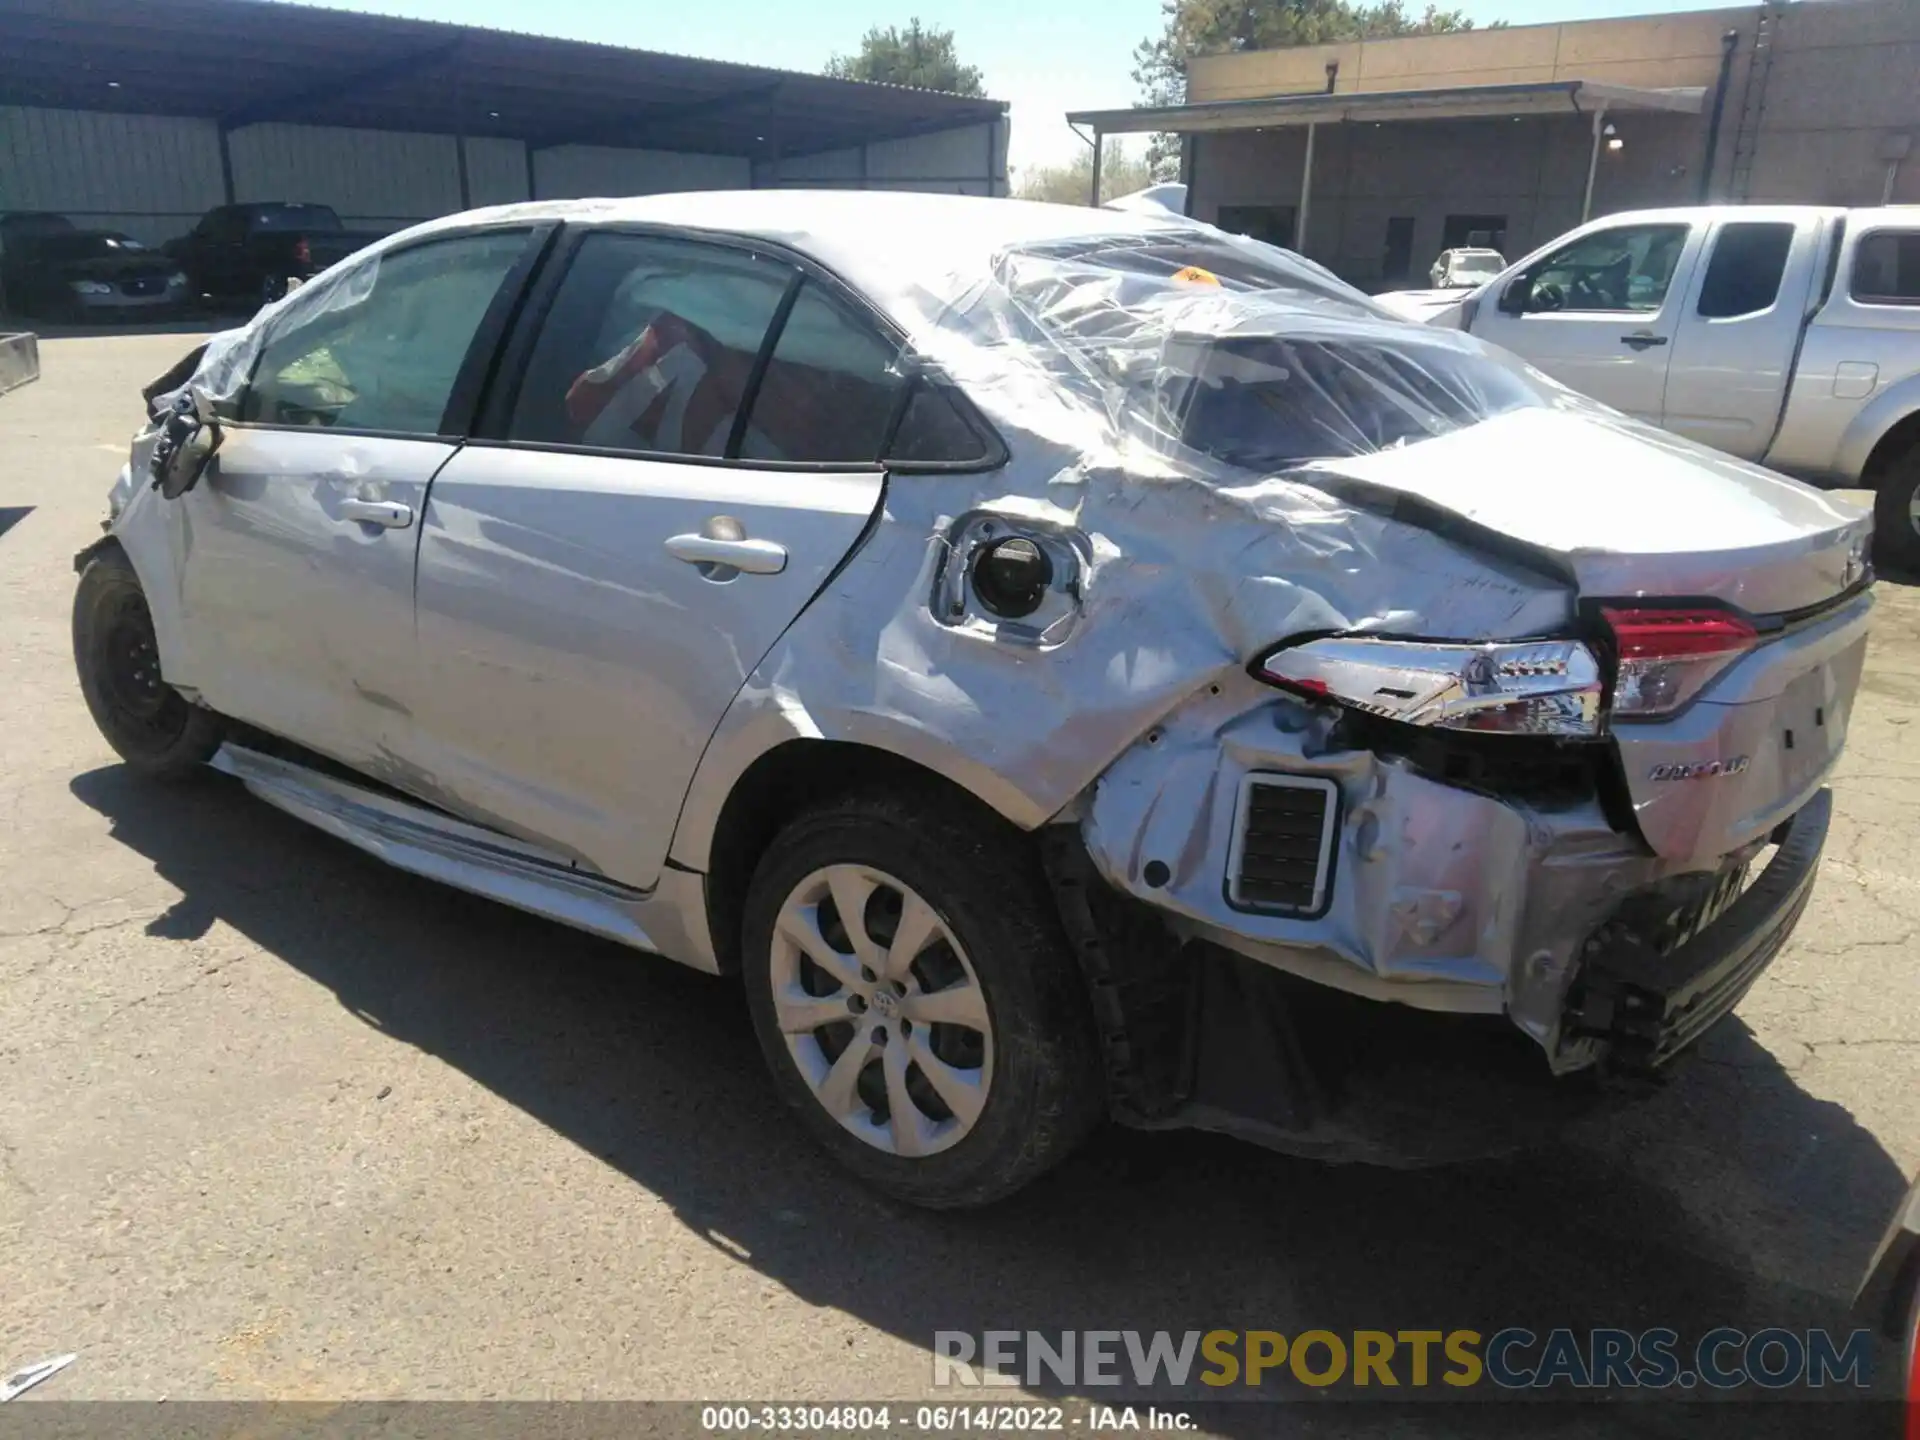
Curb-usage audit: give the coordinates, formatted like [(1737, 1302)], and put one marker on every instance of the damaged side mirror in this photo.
[(189, 436)]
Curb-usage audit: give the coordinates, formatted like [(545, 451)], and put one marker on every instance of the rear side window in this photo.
[(933, 432), (829, 390), (649, 347), (1743, 275), (1886, 268)]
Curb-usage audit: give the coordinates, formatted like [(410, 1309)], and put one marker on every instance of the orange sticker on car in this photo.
[(1194, 275)]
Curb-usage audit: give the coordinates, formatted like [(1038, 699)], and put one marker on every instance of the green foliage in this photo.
[(1120, 174), (1210, 27), (921, 56)]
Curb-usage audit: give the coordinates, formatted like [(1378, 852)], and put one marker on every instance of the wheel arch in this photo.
[(779, 784), (1888, 426)]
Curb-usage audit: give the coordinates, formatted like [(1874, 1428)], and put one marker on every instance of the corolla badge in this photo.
[(1699, 769)]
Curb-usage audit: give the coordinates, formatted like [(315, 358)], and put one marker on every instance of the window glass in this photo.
[(648, 347), (1743, 277), (1626, 269), (382, 348), (933, 432), (829, 389), (1886, 268)]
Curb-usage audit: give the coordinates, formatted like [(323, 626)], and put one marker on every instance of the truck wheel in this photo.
[(1896, 514), (915, 999), (152, 726)]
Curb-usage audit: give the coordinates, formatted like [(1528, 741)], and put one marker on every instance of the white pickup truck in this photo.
[(1785, 334)]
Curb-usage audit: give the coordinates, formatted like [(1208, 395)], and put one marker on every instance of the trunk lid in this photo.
[(1630, 510), (1639, 515)]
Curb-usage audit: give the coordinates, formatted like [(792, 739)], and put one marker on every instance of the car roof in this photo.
[(885, 243)]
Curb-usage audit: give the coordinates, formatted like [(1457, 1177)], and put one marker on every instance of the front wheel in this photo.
[(152, 726), (1896, 514), (915, 998)]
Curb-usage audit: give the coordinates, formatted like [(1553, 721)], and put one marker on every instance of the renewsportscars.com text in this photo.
[(1437, 1360)]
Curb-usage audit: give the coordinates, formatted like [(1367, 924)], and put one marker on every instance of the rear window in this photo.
[(292, 217), (1886, 268), (1243, 352), (1743, 277)]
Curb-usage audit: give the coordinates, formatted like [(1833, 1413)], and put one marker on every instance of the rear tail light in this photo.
[(1530, 687), (302, 251), (1668, 656)]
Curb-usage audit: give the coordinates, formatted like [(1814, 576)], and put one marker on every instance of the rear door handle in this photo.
[(388, 514), (754, 557), (1641, 342)]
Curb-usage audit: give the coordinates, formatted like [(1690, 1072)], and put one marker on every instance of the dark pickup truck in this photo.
[(250, 252)]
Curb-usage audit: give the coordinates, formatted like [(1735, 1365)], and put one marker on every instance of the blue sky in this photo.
[(1044, 56)]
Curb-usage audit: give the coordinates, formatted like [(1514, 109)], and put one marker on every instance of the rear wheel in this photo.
[(1896, 513), (915, 999), (152, 726)]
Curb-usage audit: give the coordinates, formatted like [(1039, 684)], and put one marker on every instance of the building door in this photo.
[(1396, 261)]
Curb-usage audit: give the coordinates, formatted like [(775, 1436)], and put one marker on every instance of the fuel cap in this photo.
[(1011, 576)]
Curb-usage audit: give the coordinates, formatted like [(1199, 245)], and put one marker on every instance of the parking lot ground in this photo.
[(276, 1121)]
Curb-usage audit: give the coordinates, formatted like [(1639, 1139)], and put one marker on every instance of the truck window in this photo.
[(1886, 268), (1743, 276), (1627, 269)]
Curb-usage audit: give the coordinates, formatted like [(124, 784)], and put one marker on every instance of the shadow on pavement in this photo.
[(192, 323), (654, 1069)]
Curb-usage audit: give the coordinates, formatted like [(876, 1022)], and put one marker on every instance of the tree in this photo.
[(1211, 27), (1120, 174), (921, 56)]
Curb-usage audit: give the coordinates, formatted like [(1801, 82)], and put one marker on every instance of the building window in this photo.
[(1474, 232), (1271, 223), (1886, 268)]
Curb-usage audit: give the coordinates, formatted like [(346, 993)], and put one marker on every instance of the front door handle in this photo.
[(388, 514), (754, 557), (1643, 341)]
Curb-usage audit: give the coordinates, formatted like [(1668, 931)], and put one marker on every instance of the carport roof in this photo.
[(1453, 102), (241, 62)]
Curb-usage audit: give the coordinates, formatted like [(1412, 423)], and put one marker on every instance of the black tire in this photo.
[(152, 726), (1896, 537), (983, 879)]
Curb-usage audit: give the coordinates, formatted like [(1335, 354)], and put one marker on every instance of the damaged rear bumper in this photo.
[(1646, 1006)]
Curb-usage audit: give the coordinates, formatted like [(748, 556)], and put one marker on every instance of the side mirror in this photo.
[(189, 435), (1513, 299)]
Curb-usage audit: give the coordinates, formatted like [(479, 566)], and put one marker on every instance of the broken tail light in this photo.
[(1667, 656), (1529, 687)]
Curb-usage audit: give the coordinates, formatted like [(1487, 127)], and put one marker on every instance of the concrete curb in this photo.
[(19, 360)]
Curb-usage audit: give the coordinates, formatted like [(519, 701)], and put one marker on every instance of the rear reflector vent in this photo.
[(1282, 855)]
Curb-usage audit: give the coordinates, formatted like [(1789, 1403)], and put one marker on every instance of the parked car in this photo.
[(1889, 1298), (1786, 334), (74, 274), (1066, 662), (1465, 268), (20, 227), (254, 252)]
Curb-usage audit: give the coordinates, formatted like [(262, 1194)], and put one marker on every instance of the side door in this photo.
[(218, 246), (684, 447), (299, 540), (1740, 327), (1599, 312)]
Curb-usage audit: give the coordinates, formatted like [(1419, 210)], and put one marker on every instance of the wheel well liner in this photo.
[(779, 785)]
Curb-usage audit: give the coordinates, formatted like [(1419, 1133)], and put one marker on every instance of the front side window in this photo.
[(649, 346), (1627, 269), (383, 346), (1886, 268), (1743, 275), (830, 387)]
